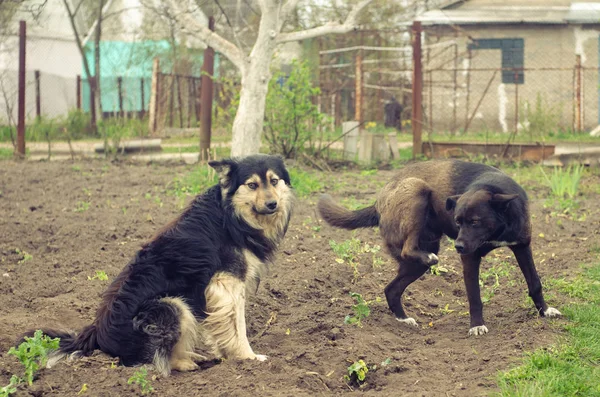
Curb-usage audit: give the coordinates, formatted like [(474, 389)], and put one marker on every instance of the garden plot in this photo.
[(67, 229)]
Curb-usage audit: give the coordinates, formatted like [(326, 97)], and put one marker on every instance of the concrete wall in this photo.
[(549, 60)]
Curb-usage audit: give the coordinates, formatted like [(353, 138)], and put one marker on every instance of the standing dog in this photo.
[(478, 206), (194, 274)]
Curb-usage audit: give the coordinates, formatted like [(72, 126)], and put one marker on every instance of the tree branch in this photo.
[(329, 28), (225, 47)]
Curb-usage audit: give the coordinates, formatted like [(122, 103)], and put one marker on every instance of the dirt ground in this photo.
[(297, 317)]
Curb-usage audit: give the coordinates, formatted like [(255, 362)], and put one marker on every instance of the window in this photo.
[(512, 56)]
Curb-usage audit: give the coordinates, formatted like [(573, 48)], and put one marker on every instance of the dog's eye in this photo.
[(457, 222), (274, 181), (252, 185), (474, 222)]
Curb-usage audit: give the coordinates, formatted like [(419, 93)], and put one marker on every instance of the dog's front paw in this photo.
[(479, 330), (261, 357), (552, 312), (409, 321), (432, 259)]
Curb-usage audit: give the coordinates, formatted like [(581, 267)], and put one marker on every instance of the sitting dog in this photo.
[(478, 206), (191, 279)]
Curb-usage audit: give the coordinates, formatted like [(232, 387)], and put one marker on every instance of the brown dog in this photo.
[(478, 206)]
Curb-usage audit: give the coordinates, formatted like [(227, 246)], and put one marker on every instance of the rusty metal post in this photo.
[(358, 98), (430, 100), (22, 82), (578, 112), (417, 90), (78, 92), (120, 95), (38, 100), (206, 94)]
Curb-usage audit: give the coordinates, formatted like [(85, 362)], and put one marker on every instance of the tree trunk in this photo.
[(249, 118)]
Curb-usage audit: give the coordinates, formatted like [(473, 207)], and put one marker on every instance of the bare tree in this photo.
[(254, 66)]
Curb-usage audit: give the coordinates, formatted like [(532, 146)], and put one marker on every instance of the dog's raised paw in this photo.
[(432, 259), (479, 330), (552, 312), (409, 321), (261, 357)]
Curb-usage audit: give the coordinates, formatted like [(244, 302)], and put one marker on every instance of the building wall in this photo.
[(549, 77)]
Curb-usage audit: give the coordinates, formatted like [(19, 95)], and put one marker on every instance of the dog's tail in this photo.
[(338, 216), (83, 343)]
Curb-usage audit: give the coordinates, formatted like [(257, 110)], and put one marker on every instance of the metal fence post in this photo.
[(78, 91), (38, 101), (417, 90), (22, 83)]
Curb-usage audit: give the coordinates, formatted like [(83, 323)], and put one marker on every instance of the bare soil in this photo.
[(297, 317)]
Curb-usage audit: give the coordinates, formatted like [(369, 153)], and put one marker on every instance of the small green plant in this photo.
[(564, 183), (24, 254), (140, 378), (361, 309), (347, 252), (33, 353), (100, 275), (11, 387), (357, 372), (82, 206)]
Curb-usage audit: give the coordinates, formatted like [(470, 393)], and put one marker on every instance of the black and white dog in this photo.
[(191, 279)]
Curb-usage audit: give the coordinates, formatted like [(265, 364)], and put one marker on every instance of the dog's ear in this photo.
[(451, 202), (223, 168), (500, 201)]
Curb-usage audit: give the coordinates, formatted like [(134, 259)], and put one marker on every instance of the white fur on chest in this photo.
[(255, 271)]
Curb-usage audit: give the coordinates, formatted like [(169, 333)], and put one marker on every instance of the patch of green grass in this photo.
[(194, 182), (572, 366), (305, 183), (24, 254), (6, 153)]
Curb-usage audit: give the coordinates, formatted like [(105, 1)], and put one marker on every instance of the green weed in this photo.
[(24, 254), (361, 309), (564, 183), (33, 353), (140, 378), (357, 372), (497, 272), (82, 206), (100, 275), (11, 387)]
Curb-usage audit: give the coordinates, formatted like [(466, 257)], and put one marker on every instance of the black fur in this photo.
[(131, 323)]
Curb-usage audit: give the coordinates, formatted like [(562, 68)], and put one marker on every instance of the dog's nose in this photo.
[(271, 204), (460, 248)]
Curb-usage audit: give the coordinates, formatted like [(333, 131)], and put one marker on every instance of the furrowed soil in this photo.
[(60, 223)]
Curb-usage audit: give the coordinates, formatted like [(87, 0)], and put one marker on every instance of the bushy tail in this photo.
[(85, 342), (338, 216)]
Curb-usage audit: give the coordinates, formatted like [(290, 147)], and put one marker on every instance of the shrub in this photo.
[(290, 113)]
